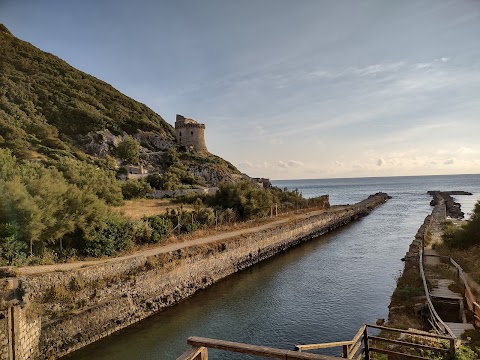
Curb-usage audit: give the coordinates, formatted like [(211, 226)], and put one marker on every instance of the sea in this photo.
[(320, 291)]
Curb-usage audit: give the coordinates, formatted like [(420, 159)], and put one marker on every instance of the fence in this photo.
[(362, 346), (200, 346), (471, 300)]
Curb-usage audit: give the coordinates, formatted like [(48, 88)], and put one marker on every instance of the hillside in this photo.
[(50, 110)]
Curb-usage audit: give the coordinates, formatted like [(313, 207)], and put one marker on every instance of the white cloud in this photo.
[(449, 162), (275, 141), (294, 163)]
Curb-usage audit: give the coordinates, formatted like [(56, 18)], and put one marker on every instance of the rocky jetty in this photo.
[(453, 207)]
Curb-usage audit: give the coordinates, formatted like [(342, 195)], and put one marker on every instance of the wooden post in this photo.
[(345, 352), (452, 348), (203, 355), (365, 344)]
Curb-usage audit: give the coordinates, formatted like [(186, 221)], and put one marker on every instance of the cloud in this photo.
[(258, 130), (443, 59), (275, 141), (380, 162), (449, 162), (294, 163), (423, 65), (256, 165), (289, 164)]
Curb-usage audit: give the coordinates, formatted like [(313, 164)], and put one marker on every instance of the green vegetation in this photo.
[(129, 150), (175, 176), (132, 189), (465, 236), (462, 243), (245, 201), (46, 103)]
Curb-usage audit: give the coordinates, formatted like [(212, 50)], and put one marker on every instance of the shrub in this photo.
[(132, 189), (109, 238), (465, 236), (161, 226), (129, 150)]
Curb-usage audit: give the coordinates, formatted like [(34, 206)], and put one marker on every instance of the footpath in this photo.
[(163, 249)]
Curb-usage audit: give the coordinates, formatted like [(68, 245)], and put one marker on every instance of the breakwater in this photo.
[(107, 297)]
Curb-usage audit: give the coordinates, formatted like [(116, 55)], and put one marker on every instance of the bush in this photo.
[(115, 235), (161, 226), (132, 189), (129, 150)]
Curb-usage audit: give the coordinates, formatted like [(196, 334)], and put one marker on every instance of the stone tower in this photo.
[(190, 133)]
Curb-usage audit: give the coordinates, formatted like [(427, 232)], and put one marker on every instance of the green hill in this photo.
[(50, 110), (68, 141), (43, 100)]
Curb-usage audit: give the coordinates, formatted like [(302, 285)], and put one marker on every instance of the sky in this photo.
[(287, 89)]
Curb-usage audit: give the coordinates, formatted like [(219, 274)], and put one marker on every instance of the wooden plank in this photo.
[(248, 349), (408, 344), (359, 334), (409, 332), (322, 345), (190, 354), (354, 349), (459, 328), (401, 355)]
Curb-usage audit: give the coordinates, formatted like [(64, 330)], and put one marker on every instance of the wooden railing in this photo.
[(409, 345), (363, 345), (435, 320), (200, 346), (472, 302), (352, 349)]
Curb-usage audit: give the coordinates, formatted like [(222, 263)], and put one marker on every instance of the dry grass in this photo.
[(137, 209)]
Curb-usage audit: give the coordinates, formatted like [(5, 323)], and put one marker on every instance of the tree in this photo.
[(11, 248), (129, 150)]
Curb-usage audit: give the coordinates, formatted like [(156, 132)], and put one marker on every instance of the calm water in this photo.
[(320, 291)]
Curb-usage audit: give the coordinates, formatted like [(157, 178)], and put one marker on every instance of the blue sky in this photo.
[(288, 89)]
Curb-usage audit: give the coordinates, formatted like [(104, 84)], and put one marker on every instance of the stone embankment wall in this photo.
[(81, 306), (426, 232), (25, 328)]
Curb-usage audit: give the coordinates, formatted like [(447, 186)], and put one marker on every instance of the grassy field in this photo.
[(138, 208)]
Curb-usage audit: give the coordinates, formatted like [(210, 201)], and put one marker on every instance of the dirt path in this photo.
[(38, 269)]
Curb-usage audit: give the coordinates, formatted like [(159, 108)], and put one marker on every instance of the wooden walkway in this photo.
[(459, 328), (441, 291)]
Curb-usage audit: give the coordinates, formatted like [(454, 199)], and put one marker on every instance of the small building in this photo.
[(189, 133)]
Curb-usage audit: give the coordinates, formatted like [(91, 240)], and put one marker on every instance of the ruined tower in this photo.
[(190, 133)]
